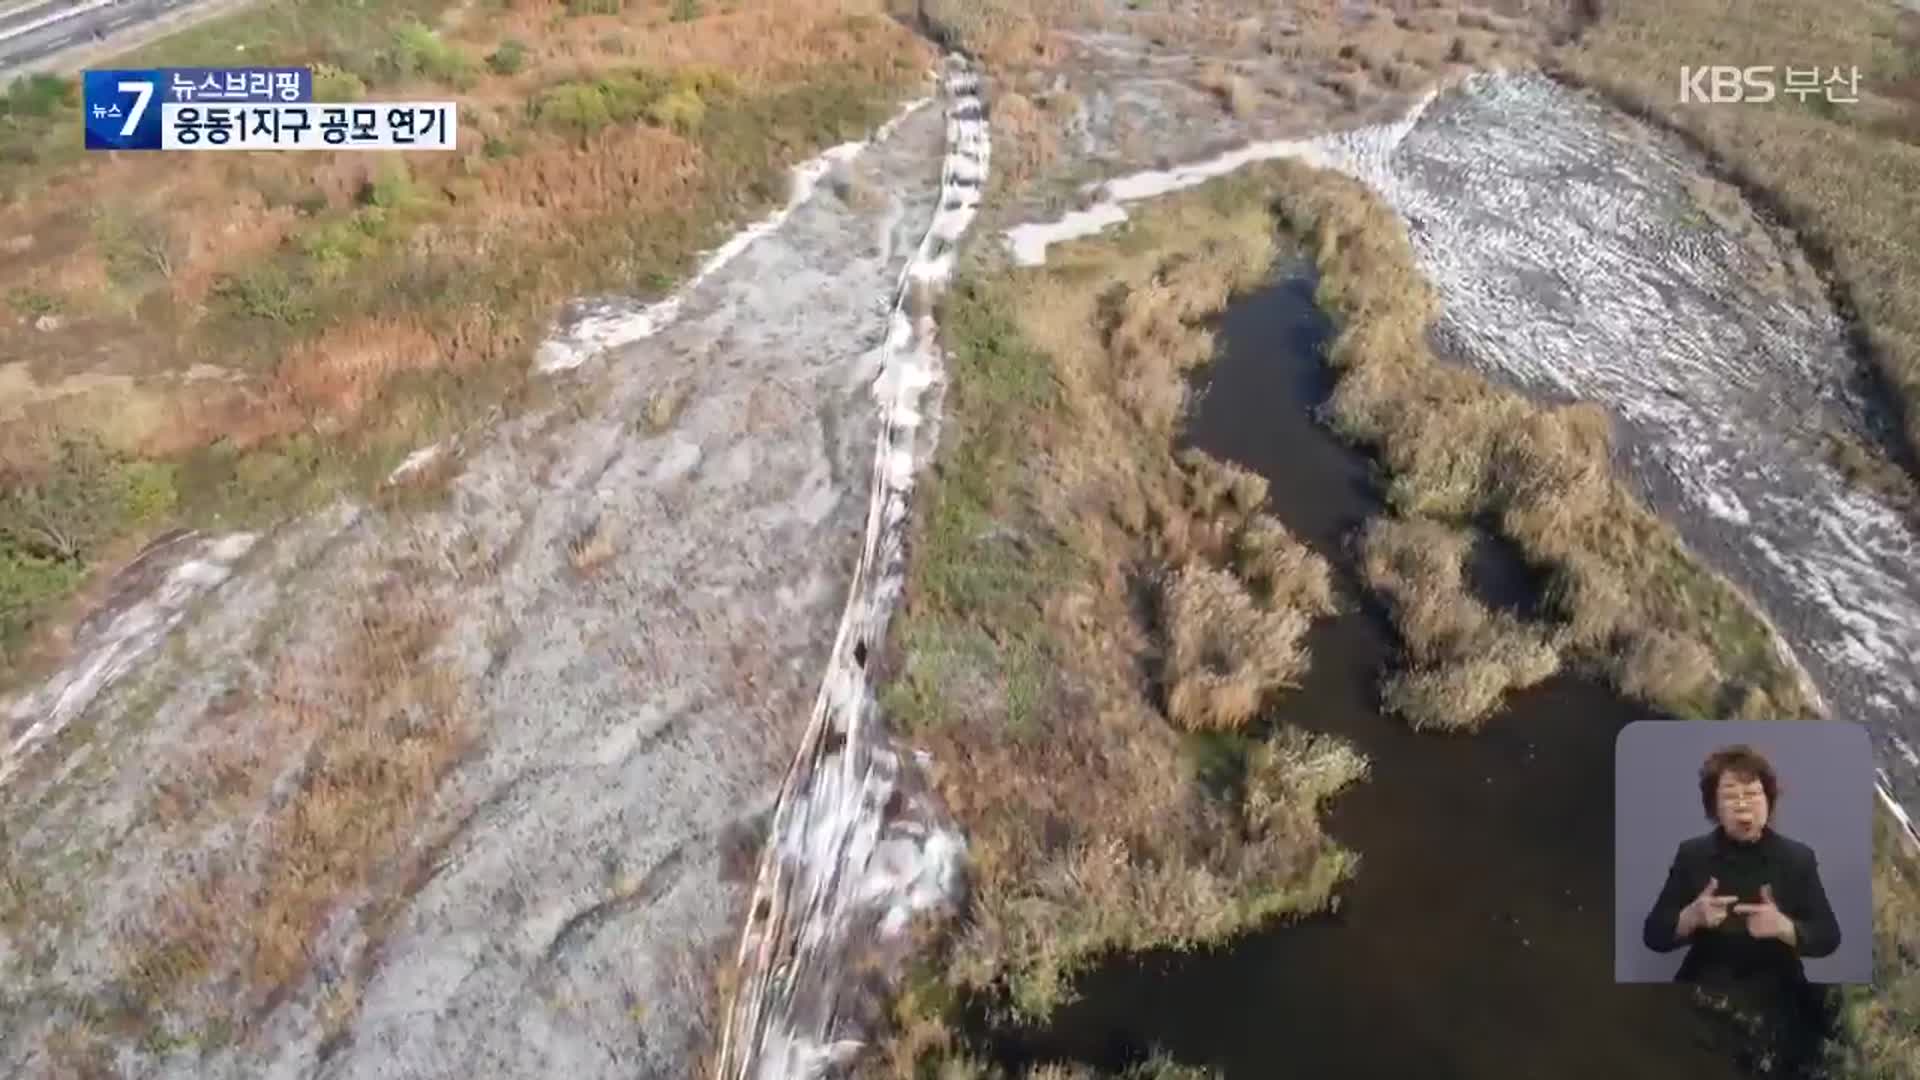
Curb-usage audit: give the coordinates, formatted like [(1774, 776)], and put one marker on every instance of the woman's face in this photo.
[(1741, 806)]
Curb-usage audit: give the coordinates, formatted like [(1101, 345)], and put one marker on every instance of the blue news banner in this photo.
[(249, 109)]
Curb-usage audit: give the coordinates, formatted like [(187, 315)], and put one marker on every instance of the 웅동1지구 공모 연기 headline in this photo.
[(249, 109)]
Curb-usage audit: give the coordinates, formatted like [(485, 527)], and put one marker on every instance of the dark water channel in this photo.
[(1476, 939)]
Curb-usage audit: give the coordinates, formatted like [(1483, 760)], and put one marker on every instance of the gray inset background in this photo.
[(1826, 802)]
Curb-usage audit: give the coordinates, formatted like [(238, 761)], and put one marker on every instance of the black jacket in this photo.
[(1727, 951)]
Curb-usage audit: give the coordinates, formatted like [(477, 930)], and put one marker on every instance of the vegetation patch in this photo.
[(56, 516), (677, 102), (1076, 538), (1463, 658), (1093, 627), (1627, 599)]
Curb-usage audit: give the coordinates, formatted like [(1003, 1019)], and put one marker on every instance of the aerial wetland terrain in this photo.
[(932, 539)]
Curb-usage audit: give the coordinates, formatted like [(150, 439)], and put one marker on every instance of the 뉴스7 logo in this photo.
[(142, 92), (121, 109), (1721, 83)]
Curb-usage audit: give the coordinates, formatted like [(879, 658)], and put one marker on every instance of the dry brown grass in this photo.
[(1214, 485), (1464, 657), (1364, 52), (1845, 177), (328, 381), (1457, 448), (545, 193), (390, 725), (1026, 139), (1207, 29), (1227, 656), (1074, 609), (212, 219), (593, 547), (1283, 571), (1665, 667), (358, 749), (767, 44)]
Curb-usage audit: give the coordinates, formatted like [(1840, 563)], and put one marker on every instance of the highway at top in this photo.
[(35, 33)]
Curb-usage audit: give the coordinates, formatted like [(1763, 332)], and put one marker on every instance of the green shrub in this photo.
[(681, 102), (630, 94), (587, 107), (509, 58), (708, 82), (147, 490), (335, 246), (419, 51), (267, 292), (681, 110), (33, 303), (579, 107), (136, 247), (393, 188), (38, 96), (28, 584), (331, 247), (83, 497)]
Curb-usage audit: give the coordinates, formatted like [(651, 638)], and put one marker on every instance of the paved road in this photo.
[(33, 33), (18, 16)]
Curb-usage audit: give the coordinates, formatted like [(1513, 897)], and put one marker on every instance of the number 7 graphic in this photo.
[(143, 93)]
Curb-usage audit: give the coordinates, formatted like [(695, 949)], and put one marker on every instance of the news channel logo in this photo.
[(121, 113), (1722, 84), (128, 109), (250, 109)]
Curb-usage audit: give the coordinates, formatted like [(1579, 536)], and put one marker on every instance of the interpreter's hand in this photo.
[(1706, 910), (1764, 920)]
